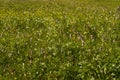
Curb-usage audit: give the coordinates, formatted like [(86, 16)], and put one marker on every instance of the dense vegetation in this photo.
[(59, 40)]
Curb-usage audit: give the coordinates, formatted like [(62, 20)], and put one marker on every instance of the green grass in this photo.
[(59, 40)]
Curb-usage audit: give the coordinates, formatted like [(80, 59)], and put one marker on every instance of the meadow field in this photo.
[(59, 39)]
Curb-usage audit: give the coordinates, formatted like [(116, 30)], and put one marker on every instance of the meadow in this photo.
[(59, 40)]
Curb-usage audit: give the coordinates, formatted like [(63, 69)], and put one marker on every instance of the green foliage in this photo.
[(59, 40)]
